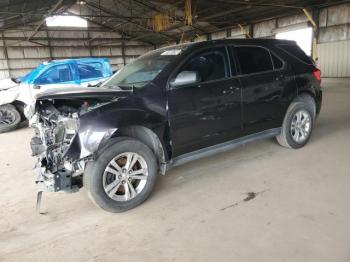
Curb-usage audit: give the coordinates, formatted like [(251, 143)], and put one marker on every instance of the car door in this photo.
[(56, 76), (207, 111), (262, 77)]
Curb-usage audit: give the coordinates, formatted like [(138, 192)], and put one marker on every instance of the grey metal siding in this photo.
[(334, 59)]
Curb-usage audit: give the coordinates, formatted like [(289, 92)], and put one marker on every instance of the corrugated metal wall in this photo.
[(334, 59), (334, 41), (18, 56)]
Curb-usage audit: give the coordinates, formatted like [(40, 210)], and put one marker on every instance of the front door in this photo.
[(206, 112), (54, 77)]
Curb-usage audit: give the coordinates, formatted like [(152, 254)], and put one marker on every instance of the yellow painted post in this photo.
[(244, 31), (315, 29)]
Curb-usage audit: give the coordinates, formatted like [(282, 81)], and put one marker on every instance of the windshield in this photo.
[(143, 70), (31, 75)]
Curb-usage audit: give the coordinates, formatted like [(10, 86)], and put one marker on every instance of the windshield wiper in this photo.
[(95, 85), (123, 87)]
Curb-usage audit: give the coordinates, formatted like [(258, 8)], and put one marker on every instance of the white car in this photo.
[(17, 95)]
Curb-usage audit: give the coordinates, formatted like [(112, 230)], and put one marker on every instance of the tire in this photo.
[(10, 118), (309, 100), (293, 133), (101, 177)]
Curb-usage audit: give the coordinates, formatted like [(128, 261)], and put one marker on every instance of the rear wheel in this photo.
[(10, 118), (122, 176), (297, 125)]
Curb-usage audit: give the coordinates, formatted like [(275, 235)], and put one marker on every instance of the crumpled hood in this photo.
[(7, 84), (81, 92)]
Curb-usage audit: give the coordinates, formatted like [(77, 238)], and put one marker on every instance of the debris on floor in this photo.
[(250, 196)]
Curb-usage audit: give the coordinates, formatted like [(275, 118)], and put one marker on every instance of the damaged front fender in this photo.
[(88, 140), (8, 96)]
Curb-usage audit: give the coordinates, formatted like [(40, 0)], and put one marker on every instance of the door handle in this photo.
[(230, 90), (280, 77)]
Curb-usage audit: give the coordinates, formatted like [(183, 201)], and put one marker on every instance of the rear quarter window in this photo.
[(296, 52), (277, 63)]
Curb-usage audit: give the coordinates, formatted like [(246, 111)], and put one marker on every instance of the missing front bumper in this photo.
[(61, 180)]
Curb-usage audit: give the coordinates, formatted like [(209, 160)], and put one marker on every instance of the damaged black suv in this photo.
[(170, 106)]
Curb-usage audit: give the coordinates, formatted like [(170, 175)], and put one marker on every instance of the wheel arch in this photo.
[(20, 107), (149, 138), (307, 95)]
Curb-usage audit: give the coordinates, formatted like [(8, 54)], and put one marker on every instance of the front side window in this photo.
[(88, 71), (55, 74), (253, 59), (210, 65)]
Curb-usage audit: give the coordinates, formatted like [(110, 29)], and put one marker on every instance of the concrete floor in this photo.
[(198, 212)]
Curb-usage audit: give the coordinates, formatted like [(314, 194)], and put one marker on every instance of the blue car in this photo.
[(18, 94)]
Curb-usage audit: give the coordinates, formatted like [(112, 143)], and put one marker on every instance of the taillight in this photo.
[(317, 74)]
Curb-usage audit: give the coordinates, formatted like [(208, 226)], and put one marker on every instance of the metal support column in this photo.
[(123, 52), (6, 54), (244, 32), (49, 44), (314, 20)]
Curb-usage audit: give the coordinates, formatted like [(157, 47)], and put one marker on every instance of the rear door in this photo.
[(262, 77), (207, 112), (90, 73)]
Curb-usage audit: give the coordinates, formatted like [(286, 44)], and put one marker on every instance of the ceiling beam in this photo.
[(111, 29), (130, 21), (252, 18), (250, 3), (53, 9), (79, 15), (162, 10)]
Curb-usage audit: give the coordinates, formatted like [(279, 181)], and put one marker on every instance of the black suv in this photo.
[(168, 107)]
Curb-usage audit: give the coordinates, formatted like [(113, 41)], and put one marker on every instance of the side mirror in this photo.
[(185, 78), (36, 86)]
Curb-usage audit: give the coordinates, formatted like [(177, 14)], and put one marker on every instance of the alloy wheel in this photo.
[(125, 176), (301, 126), (7, 117)]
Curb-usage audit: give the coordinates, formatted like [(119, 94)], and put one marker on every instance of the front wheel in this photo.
[(297, 125), (122, 176), (10, 118)]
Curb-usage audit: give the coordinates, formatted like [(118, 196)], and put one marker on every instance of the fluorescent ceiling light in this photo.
[(66, 21)]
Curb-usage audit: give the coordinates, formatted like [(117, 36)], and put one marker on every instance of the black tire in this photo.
[(11, 110), (309, 100), (285, 138), (94, 174)]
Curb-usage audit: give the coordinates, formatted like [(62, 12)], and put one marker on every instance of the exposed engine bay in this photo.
[(56, 124)]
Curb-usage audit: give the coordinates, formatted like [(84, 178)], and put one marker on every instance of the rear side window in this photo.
[(211, 65), (297, 52), (253, 59), (89, 71), (96, 65)]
